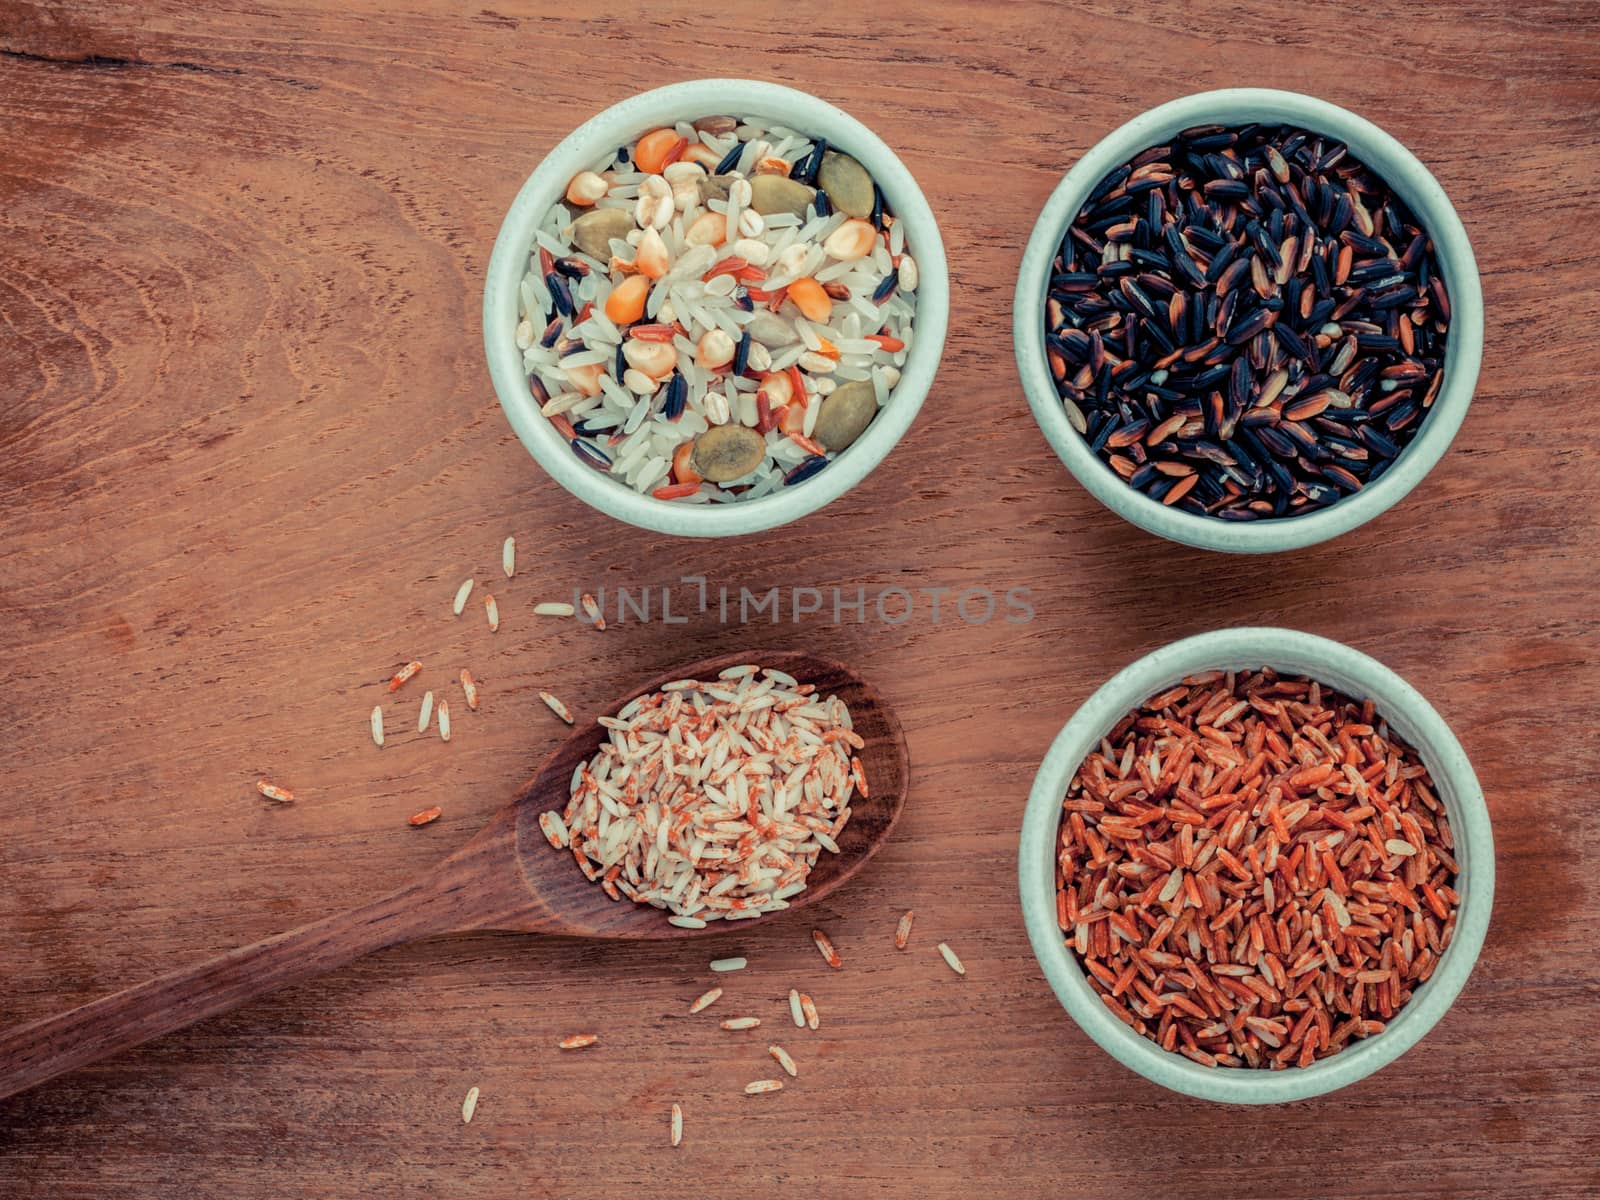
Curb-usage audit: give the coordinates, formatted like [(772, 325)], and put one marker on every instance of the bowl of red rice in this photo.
[(715, 307), (1256, 866)]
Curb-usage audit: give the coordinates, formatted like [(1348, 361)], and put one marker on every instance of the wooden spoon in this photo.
[(507, 877)]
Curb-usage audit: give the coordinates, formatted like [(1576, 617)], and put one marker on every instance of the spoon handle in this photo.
[(33, 1053)]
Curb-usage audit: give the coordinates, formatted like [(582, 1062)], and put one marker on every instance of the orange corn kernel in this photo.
[(650, 155), (702, 155), (625, 305), (811, 300), (779, 387), (682, 469), (652, 258), (586, 187), (792, 419), (708, 229)]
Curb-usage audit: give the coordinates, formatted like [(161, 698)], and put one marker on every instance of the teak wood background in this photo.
[(248, 447)]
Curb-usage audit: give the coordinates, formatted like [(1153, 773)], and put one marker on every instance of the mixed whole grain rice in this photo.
[(700, 281), (1254, 871), (712, 799)]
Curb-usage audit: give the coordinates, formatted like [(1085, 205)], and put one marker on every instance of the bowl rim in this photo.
[(1352, 672), (615, 126), (1390, 159)]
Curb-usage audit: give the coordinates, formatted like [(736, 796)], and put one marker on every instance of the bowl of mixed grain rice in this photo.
[(715, 307), (1248, 320), (1256, 866)]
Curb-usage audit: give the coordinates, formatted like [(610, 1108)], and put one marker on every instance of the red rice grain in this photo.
[(825, 948), (706, 1001), (555, 706), (902, 931), (403, 674)]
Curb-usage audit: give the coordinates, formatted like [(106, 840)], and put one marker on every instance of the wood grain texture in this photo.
[(508, 877), (248, 448)]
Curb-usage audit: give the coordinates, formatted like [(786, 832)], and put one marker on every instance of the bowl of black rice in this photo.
[(1249, 320)]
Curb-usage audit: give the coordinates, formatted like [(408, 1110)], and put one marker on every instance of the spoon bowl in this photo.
[(507, 877), (562, 901)]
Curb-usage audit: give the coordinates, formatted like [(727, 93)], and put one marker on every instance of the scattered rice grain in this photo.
[(560, 709), (706, 1000), (403, 674), (902, 931), (825, 948)]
